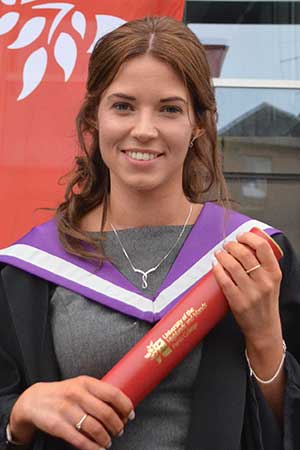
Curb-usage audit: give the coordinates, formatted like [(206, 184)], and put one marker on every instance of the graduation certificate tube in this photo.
[(174, 336)]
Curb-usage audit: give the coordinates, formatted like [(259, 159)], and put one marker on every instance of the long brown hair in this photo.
[(169, 41)]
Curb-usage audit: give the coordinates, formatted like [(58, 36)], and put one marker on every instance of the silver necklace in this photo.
[(145, 273)]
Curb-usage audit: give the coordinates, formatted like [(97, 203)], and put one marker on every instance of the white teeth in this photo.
[(141, 156)]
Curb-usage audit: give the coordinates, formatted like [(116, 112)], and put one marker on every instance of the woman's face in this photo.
[(145, 123)]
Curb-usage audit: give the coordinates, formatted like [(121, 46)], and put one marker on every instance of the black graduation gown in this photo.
[(228, 410)]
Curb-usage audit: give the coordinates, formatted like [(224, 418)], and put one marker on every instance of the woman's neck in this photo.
[(141, 210)]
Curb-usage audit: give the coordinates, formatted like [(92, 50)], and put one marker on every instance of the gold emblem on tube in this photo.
[(174, 336)]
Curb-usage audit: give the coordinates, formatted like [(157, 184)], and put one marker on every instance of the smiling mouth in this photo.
[(142, 156)]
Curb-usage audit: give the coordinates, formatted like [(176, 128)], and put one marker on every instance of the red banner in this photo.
[(44, 52)]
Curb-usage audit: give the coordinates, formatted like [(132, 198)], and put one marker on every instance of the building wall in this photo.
[(261, 177)]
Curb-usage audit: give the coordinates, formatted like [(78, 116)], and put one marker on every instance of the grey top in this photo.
[(146, 247), (90, 338)]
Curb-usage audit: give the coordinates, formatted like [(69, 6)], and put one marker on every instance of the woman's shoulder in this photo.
[(227, 223), (290, 262), (18, 280), (38, 235), (18, 259), (39, 241)]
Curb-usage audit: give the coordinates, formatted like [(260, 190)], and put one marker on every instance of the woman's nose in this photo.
[(144, 128)]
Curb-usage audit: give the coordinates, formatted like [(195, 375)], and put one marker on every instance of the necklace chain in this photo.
[(145, 273)]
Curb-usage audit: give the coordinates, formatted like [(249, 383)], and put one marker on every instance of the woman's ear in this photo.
[(198, 132)]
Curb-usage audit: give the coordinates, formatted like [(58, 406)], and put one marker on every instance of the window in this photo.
[(254, 53)]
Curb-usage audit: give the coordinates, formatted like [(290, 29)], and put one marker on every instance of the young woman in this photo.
[(132, 236)]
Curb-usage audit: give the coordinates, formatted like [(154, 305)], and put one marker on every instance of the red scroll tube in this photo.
[(173, 337)]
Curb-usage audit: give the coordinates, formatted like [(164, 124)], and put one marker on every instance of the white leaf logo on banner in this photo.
[(34, 70), (8, 2), (63, 8), (105, 24), (8, 21), (65, 48), (79, 23), (29, 33), (65, 52)]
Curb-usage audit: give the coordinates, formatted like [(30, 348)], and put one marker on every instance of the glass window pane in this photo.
[(252, 51), (259, 130)]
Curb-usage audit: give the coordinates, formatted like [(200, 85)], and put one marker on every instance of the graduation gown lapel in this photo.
[(41, 254)]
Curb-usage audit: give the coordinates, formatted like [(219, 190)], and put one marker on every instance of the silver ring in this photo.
[(79, 424), (253, 268)]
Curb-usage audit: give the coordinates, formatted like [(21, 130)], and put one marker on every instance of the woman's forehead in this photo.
[(144, 74)]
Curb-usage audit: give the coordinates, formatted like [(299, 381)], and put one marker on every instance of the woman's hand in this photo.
[(254, 301), (57, 407), (253, 297)]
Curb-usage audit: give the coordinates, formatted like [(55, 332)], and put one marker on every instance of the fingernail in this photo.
[(214, 261), (219, 250), (109, 445), (120, 433), (131, 415)]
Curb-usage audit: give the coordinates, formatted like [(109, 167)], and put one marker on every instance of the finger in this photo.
[(113, 396), (68, 433), (228, 287), (242, 253), (233, 268), (95, 430), (262, 248), (103, 412)]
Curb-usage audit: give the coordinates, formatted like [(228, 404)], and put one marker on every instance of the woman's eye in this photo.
[(122, 106), (172, 109)]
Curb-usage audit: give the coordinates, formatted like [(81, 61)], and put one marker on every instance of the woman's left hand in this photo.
[(253, 297)]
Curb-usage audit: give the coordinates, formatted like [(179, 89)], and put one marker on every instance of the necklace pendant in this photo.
[(144, 281), (153, 269)]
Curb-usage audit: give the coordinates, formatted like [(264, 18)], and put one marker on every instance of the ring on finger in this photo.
[(253, 268), (79, 424)]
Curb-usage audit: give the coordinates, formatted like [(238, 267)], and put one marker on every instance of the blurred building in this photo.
[(254, 55), (261, 157)]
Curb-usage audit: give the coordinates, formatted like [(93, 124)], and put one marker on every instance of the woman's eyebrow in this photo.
[(120, 95), (173, 99), (131, 98)]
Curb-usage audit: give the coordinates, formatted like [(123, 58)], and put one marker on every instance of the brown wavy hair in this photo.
[(169, 41)]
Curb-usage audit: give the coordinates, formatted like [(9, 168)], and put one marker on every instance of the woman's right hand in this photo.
[(57, 407)]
